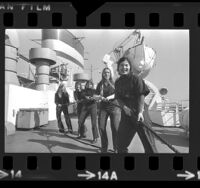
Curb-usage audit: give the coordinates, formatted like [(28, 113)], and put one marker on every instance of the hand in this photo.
[(140, 117), (127, 110), (110, 84), (104, 99), (59, 105), (90, 98), (100, 98), (79, 101)]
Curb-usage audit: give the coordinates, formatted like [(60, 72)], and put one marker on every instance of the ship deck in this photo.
[(47, 139)]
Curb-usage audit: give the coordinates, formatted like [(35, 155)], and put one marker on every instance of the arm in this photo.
[(56, 99), (141, 108), (123, 107), (110, 97), (98, 89), (112, 89), (66, 98), (87, 95), (142, 92), (84, 95), (112, 85), (129, 111), (93, 94), (97, 92), (141, 104), (78, 97), (75, 96)]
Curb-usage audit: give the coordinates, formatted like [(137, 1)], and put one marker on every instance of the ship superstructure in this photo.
[(35, 66)]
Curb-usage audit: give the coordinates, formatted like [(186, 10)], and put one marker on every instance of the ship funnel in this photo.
[(81, 77), (11, 59), (42, 58)]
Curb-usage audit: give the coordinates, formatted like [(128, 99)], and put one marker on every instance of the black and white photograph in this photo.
[(96, 91)]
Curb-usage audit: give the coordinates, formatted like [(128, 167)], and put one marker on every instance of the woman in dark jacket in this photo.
[(106, 90), (79, 97), (89, 108), (130, 91), (62, 103)]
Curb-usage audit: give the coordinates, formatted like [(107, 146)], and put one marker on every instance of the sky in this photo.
[(171, 46), (172, 56)]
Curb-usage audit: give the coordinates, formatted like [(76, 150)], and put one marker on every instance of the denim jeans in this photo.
[(115, 115), (127, 130), (85, 112), (63, 109), (82, 131)]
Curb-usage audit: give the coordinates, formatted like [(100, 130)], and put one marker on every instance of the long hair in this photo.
[(77, 84), (60, 89), (87, 84), (110, 79), (103, 80)]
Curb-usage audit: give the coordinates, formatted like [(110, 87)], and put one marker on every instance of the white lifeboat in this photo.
[(142, 59)]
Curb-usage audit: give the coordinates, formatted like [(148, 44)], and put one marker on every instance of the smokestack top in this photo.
[(46, 54), (81, 77)]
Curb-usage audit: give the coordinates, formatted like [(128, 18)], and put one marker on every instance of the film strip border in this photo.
[(90, 167), (94, 167), (126, 167), (105, 21), (110, 15)]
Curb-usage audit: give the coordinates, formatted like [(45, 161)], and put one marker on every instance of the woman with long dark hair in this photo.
[(106, 90), (89, 108), (130, 91), (79, 97), (62, 103)]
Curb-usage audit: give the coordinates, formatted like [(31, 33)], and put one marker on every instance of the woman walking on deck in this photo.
[(62, 103), (79, 97), (89, 108)]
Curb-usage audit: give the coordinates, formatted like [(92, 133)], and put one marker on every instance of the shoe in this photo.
[(81, 136), (70, 131), (61, 131), (94, 141), (102, 151), (115, 150)]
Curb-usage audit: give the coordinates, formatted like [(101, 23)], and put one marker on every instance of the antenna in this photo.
[(79, 38), (36, 41)]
